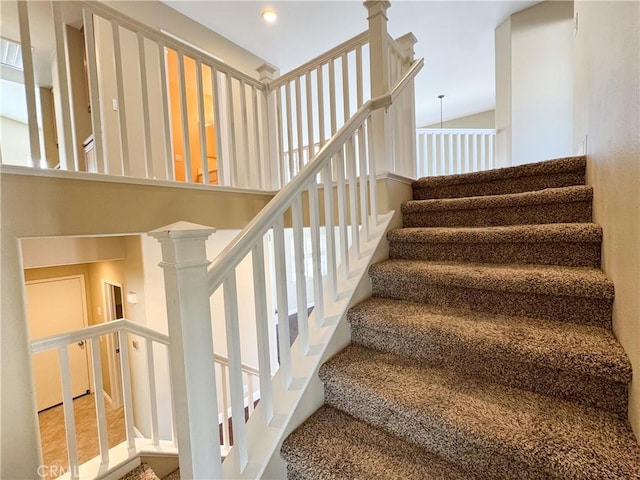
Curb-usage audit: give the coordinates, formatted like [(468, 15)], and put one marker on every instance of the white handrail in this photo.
[(242, 244), (222, 360)]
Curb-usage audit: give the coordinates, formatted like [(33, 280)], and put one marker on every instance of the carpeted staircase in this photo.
[(486, 350)]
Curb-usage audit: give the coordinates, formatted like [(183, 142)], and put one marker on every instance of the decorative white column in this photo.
[(270, 122), (379, 68), (408, 105), (185, 264)]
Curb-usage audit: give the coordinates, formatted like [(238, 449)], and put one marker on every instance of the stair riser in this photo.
[(570, 212), (430, 434), (500, 187), (442, 352), (586, 311), (563, 254)]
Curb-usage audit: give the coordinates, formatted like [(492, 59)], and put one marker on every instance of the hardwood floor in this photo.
[(52, 433)]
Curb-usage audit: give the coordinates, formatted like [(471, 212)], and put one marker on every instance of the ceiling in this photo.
[(456, 39)]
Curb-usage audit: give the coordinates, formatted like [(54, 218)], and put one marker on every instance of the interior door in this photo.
[(56, 306)]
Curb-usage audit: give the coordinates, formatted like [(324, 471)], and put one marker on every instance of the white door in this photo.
[(56, 306)]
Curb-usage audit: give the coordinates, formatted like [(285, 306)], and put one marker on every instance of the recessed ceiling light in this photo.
[(269, 15)]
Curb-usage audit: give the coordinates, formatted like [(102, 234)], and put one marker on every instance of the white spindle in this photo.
[(353, 196), (260, 157), (248, 159), (235, 368), (329, 232), (233, 151), (290, 153), (281, 299), (146, 120), (372, 176), (433, 164), (332, 95), (467, 156), (459, 154), (70, 159), (98, 389), (321, 106), (314, 217), (300, 163), (250, 393), (359, 83), (362, 159), (339, 160), (153, 401), (443, 157), (285, 175), (184, 116), (122, 104), (29, 83), (483, 150), (166, 118), (204, 160), (309, 116), (492, 159), (215, 91), (451, 167), (94, 92), (262, 330), (226, 437), (127, 395), (301, 283), (345, 88), (67, 406), (174, 422), (476, 164)]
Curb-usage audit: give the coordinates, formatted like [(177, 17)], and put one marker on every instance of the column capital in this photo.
[(266, 72)]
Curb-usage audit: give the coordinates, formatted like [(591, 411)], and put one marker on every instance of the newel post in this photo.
[(271, 171), (408, 105), (185, 264), (379, 70)]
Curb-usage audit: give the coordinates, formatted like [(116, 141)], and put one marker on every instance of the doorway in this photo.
[(55, 306), (113, 305)]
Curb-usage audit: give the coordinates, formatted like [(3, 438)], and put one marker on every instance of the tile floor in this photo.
[(52, 432)]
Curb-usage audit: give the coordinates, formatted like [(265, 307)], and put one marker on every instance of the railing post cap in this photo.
[(377, 7), (182, 230), (266, 71), (408, 39)]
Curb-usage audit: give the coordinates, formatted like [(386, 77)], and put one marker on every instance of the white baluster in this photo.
[(125, 371), (122, 103), (166, 118), (353, 196), (314, 216), (451, 167), (483, 150), (221, 156), (250, 392), (262, 330), (186, 144), (153, 401), (98, 390), (330, 232), (362, 157), (321, 106), (492, 158), (281, 298), (292, 164), (67, 407), (300, 163), (310, 142), (247, 160), (29, 83), (332, 95), (301, 283), (94, 92), (342, 213), (235, 368), (233, 148), (345, 88), (373, 187), (476, 164), (204, 161), (359, 72), (259, 153), (226, 437), (284, 166)]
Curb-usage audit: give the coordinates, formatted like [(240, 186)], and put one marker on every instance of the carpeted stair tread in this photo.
[(552, 232), (484, 427), (175, 475), (553, 205), (535, 176), (566, 294), (317, 451), (576, 362), (141, 472), (568, 244), (542, 279)]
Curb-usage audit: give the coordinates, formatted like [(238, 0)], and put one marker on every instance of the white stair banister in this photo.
[(185, 265)]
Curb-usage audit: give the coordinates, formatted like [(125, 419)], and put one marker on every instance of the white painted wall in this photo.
[(14, 142), (537, 81), (607, 114)]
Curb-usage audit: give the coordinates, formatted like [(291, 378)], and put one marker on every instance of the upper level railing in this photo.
[(447, 151)]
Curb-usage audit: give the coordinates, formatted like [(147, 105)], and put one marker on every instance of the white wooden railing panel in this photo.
[(448, 151)]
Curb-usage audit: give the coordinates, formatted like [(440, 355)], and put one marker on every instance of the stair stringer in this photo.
[(306, 394)]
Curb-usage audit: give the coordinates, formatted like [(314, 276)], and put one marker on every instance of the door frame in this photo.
[(115, 373)]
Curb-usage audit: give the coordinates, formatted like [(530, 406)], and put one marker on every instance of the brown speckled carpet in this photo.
[(486, 351)]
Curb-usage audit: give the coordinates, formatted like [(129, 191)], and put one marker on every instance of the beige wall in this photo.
[(477, 120), (53, 207), (14, 142), (534, 81), (46, 252), (607, 113)]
